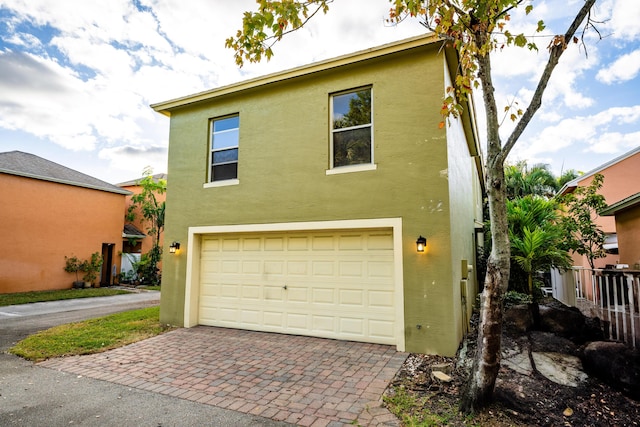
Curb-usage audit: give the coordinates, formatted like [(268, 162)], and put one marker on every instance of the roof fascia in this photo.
[(574, 183), (363, 55), (623, 204), (65, 182)]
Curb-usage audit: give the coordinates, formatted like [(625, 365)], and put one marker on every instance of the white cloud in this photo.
[(619, 18), (599, 133), (613, 142), (625, 68)]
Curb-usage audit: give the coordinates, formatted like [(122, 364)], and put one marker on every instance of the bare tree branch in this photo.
[(556, 49)]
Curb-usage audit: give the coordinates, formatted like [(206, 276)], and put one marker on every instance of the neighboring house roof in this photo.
[(133, 182), (31, 166), (398, 46), (626, 203), (570, 186), (131, 232)]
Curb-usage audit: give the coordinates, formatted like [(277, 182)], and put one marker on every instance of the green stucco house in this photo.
[(298, 199)]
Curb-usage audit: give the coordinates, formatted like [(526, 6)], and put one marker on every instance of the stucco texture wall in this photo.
[(615, 187), (42, 222), (628, 226), (283, 158)]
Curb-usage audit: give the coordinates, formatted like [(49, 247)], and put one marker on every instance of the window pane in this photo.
[(352, 109), (228, 138), (222, 172), (225, 124), (352, 147), (225, 156)]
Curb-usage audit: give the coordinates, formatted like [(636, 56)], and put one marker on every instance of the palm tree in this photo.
[(523, 181), (535, 250), (536, 238)]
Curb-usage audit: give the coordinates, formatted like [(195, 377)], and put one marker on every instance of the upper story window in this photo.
[(351, 128), (225, 138)]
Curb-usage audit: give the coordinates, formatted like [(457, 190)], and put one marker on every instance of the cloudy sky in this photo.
[(77, 76)]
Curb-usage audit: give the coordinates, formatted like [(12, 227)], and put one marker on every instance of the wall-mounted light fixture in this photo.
[(173, 248), (421, 243)]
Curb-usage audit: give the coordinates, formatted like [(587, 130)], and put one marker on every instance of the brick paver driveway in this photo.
[(300, 380)]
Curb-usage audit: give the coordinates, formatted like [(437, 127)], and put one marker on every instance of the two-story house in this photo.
[(327, 200)]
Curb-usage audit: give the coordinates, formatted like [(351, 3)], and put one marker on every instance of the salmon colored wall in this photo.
[(615, 187), (147, 242), (628, 225), (41, 222)]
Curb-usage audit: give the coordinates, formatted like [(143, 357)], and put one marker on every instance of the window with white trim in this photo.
[(225, 139), (351, 128)]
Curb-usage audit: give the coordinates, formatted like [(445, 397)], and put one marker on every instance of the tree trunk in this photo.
[(482, 379)]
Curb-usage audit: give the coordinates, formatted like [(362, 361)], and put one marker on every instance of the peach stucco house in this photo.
[(48, 212), (620, 182)]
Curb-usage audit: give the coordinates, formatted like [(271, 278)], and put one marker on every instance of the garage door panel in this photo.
[(327, 284), (273, 319), (251, 292), (352, 297), (297, 321), (323, 268), (351, 326), (381, 329), (381, 299), (351, 268), (297, 294), (231, 245)]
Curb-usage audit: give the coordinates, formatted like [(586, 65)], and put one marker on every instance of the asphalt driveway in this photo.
[(299, 380)]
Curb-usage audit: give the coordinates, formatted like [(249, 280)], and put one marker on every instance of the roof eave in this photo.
[(398, 46), (65, 182)]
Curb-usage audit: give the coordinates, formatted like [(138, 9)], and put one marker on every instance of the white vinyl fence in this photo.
[(611, 295)]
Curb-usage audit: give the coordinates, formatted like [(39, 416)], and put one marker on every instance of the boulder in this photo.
[(615, 364), (568, 322), (563, 321), (518, 318)]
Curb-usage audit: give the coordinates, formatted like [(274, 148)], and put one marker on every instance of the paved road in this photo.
[(33, 396)]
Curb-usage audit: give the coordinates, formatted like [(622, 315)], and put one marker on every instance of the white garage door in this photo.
[(332, 284)]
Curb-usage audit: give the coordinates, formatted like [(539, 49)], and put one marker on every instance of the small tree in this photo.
[(537, 240), (91, 268), (146, 202), (73, 265), (583, 235)]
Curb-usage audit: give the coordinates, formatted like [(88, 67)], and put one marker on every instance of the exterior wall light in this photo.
[(421, 243), (173, 248)]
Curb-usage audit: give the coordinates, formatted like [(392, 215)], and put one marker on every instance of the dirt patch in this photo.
[(520, 399)]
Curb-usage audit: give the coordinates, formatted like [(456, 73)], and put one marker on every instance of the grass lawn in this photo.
[(92, 336), (40, 296)]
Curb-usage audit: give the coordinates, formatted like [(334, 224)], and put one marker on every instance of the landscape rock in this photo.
[(614, 363), (447, 368), (563, 321), (560, 368), (518, 318), (568, 322), (441, 376)]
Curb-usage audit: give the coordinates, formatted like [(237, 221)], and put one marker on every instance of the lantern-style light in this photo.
[(173, 247), (421, 244)]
